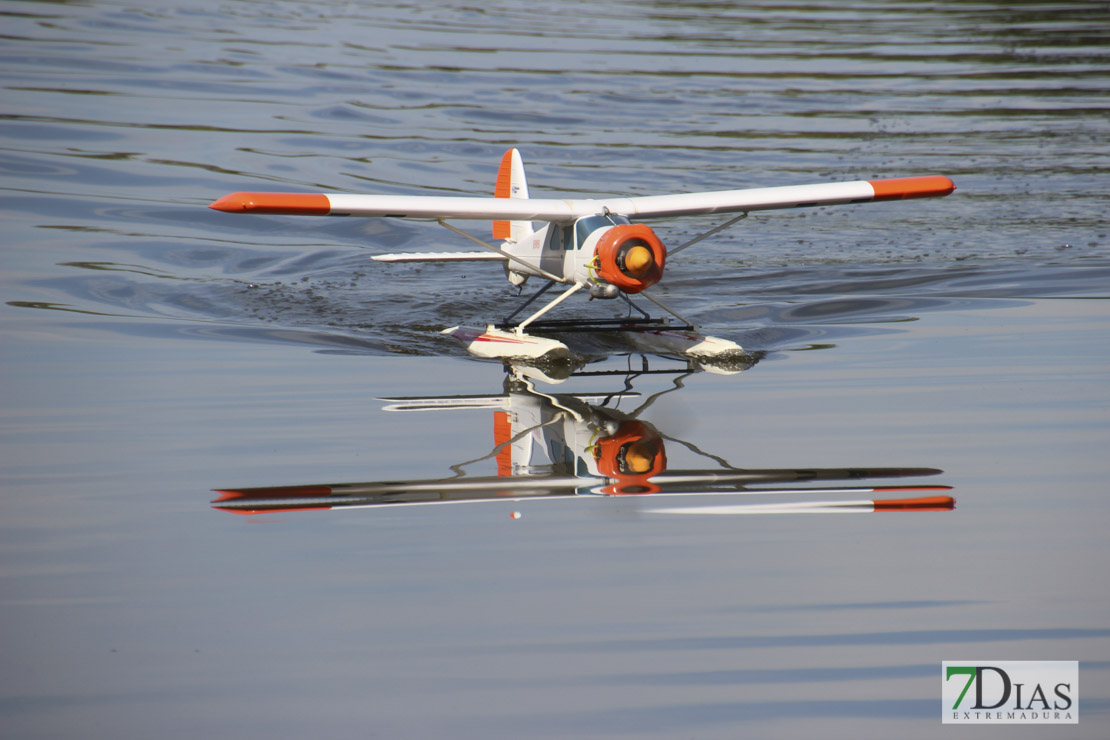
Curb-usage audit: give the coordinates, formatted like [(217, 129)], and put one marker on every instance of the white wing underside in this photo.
[(562, 211)]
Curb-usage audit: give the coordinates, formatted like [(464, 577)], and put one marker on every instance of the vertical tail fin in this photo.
[(511, 184)]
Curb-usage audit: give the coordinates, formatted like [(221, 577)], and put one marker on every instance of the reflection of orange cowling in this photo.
[(631, 257), (631, 456)]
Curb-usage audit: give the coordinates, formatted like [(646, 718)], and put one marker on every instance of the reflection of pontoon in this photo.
[(563, 445)]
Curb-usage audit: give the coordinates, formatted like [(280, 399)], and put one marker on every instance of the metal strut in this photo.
[(503, 253), (562, 297), (711, 232), (642, 323), (632, 305), (519, 328), (508, 319), (666, 308)]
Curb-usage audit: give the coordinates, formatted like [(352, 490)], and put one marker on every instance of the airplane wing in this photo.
[(538, 488), (676, 484), (547, 209)]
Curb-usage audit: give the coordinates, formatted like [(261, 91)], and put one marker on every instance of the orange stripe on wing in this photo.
[(292, 204), (902, 188)]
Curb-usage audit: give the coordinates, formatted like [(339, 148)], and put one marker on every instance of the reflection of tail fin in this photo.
[(511, 184), (503, 435)]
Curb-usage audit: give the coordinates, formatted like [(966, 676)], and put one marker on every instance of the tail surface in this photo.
[(511, 183)]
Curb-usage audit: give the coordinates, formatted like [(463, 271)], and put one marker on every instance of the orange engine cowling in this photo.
[(630, 457), (631, 257)]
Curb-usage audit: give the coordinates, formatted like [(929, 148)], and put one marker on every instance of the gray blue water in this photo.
[(153, 350)]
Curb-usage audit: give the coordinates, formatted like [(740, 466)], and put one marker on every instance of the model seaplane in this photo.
[(567, 446), (584, 245)]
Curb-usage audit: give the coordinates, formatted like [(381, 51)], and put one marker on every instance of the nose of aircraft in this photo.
[(638, 458), (638, 260)]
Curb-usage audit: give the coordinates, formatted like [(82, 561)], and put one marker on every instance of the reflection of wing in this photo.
[(358, 495), (928, 503), (546, 209), (515, 488)]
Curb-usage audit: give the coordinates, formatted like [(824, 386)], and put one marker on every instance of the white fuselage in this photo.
[(562, 249), (549, 439)]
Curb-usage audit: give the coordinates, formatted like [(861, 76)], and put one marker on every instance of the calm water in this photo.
[(153, 350)]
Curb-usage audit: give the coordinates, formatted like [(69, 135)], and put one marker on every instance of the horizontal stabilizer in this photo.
[(440, 257), (451, 403), (442, 403)]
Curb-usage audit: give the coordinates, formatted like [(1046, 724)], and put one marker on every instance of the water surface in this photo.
[(154, 350)]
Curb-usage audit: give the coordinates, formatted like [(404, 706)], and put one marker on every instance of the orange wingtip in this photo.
[(293, 204), (234, 494), (903, 188), (928, 503), (238, 500)]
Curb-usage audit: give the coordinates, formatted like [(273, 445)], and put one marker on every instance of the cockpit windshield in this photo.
[(588, 225)]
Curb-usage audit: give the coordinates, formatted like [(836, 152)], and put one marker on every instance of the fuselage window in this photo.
[(568, 238)]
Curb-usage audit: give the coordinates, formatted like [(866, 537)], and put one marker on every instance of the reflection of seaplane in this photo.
[(558, 446), (587, 245)]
